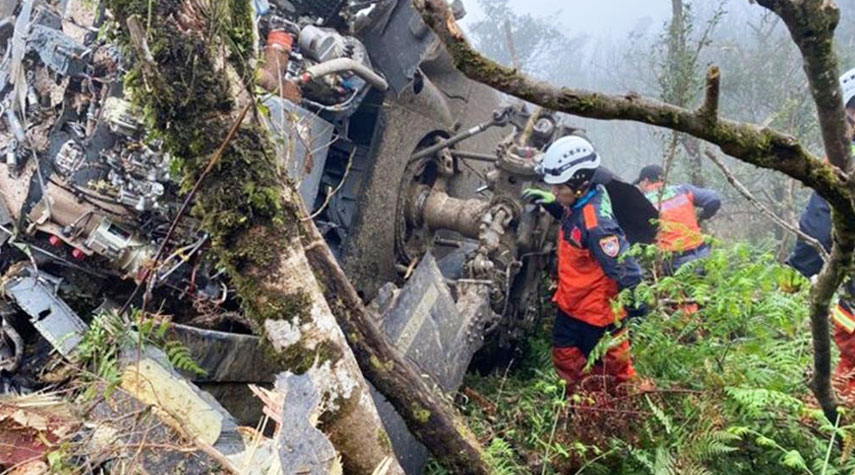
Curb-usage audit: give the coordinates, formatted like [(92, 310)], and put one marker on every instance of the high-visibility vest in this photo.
[(843, 317), (678, 223)]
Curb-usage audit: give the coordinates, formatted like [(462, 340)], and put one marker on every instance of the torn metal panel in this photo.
[(59, 52), (226, 357), (425, 325), (303, 141), (56, 322), (398, 43)]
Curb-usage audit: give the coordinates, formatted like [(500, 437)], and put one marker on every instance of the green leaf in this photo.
[(793, 459)]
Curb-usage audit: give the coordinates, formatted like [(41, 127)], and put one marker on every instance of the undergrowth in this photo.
[(109, 335), (724, 389)]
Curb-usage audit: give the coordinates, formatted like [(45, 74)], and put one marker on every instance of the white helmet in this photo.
[(847, 84), (570, 159)]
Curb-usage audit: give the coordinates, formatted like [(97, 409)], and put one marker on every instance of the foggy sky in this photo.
[(611, 20), (598, 18)]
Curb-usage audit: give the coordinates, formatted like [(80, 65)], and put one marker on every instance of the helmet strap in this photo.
[(578, 192)]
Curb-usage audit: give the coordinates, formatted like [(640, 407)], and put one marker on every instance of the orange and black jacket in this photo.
[(592, 263)]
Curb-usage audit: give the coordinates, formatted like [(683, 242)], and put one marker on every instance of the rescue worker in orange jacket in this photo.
[(592, 265), (815, 221), (679, 232)]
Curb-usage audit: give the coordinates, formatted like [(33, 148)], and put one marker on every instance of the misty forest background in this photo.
[(762, 82)]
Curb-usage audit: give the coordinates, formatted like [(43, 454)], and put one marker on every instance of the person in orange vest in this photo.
[(679, 232), (815, 221), (592, 263)]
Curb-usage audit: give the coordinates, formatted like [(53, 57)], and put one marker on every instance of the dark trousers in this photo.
[(572, 342), (680, 259)]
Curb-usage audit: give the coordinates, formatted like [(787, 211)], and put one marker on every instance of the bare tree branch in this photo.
[(813, 242), (811, 24), (709, 109), (820, 296)]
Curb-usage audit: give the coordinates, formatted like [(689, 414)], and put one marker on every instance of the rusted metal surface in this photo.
[(441, 211)]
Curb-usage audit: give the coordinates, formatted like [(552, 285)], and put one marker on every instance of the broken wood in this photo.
[(709, 108)]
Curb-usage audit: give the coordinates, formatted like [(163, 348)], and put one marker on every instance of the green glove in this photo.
[(536, 195)]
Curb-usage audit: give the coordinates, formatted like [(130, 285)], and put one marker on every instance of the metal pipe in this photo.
[(441, 211), (448, 242), (480, 157), (340, 65), (15, 125), (453, 140)]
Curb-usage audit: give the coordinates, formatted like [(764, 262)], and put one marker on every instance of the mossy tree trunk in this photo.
[(191, 79), (811, 24)]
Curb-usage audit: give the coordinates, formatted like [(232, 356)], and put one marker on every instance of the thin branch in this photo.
[(509, 42), (813, 242), (820, 297)]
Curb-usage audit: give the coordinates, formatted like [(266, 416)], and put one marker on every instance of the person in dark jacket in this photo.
[(679, 232), (592, 263), (815, 221)]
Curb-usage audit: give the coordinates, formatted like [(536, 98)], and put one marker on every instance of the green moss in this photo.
[(146, 9), (421, 414), (242, 37), (299, 359), (380, 365), (383, 440), (188, 104)]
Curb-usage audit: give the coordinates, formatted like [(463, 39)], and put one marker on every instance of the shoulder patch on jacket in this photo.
[(610, 245)]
